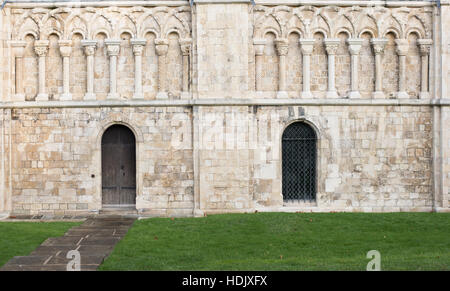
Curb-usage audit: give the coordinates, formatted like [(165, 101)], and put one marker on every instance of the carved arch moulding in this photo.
[(332, 20), (111, 21)]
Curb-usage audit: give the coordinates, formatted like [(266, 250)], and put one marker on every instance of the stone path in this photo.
[(94, 239)]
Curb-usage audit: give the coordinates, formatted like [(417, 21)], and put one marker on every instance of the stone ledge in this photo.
[(225, 102)]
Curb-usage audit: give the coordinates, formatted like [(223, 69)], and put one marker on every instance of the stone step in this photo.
[(119, 211)]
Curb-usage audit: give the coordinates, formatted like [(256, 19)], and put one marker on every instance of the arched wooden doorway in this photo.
[(299, 151), (118, 167)]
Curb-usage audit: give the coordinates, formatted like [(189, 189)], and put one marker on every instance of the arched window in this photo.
[(299, 154)]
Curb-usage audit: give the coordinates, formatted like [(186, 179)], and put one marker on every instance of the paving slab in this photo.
[(94, 240)]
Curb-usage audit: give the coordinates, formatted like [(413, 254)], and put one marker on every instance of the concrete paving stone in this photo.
[(62, 241), (62, 267), (95, 248), (94, 239), (50, 250), (84, 232), (101, 240), (27, 260), (84, 259)]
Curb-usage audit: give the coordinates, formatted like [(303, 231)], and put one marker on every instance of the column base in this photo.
[(90, 96), (332, 94), (162, 95), (424, 95), (354, 95), (307, 95), (42, 97), (65, 97), (198, 213), (378, 95), (19, 97), (113, 96), (402, 95), (185, 95), (282, 95), (138, 96)]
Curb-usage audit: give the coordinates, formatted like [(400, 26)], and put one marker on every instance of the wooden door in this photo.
[(118, 167)]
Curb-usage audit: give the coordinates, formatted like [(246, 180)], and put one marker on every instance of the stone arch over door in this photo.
[(299, 163), (118, 155)]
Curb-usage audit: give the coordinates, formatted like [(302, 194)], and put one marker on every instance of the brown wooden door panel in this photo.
[(118, 166)]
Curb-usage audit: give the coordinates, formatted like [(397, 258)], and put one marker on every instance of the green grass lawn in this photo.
[(286, 241), (21, 238)]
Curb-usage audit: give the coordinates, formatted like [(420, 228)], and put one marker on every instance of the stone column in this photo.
[(259, 45), (89, 50), (65, 49), (402, 51), (424, 47), (138, 48), (41, 49), (354, 46), (186, 52), (378, 48), (331, 46), (18, 50), (282, 47), (162, 46), (113, 49), (307, 46)]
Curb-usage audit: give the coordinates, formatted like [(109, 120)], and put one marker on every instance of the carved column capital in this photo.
[(332, 45), (65, 47), (18, 47), (112, 47), (161, 46), (282, 46), (138, 46), (259, 45), (354, 45), (307, 45), (41, 47), (186, 46), (89, 46), (425, 46), (402, 47), (378, 45)]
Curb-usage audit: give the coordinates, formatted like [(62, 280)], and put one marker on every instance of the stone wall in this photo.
[(369, 158), (56, 158), (208, 89)]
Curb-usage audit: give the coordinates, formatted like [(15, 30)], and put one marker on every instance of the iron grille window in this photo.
[(299, 162)]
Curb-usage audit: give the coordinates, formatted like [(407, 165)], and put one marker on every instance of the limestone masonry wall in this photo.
[(208, 88)]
